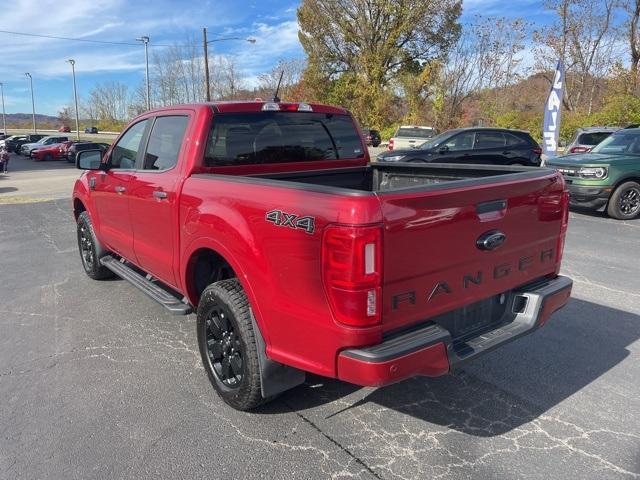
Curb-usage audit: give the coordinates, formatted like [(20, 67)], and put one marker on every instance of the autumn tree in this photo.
[(355, 48)]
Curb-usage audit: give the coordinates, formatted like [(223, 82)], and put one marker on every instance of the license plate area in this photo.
[(477, 318)]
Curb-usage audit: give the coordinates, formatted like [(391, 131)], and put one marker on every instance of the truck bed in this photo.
[(390, 178)]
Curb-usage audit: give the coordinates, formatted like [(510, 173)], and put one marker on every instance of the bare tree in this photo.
[(632, 8), (291, 71), (584, 36), (488, 55)]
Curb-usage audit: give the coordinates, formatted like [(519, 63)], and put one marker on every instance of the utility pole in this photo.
[(145, 41), (33, 103), (206, 63), (205, 43), (4, 118), (75, 95)]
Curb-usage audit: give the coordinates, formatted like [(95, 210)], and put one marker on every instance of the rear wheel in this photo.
[(228, 345), (624, 203)]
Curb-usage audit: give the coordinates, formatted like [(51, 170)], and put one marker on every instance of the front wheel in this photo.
[(90, 249), (228, 345), (624, 203)]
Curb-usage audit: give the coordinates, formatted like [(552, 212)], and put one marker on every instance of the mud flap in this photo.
[(275, 377)]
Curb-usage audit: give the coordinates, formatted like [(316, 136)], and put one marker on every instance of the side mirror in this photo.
[(89, 160), (443, 149)]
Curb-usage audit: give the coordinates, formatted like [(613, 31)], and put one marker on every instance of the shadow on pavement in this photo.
[(574, 349), (7, 189)]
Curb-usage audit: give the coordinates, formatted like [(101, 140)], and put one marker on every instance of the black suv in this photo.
[(372, 137), (495, 146), (79, 146)]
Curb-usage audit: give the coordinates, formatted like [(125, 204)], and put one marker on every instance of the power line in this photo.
[(105, 42), (67, 38)]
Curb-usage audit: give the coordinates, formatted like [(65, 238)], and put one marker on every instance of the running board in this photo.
[(164, 298)]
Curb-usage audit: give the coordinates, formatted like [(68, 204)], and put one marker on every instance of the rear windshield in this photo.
[(415, 132), (281, 137), (592, 138)]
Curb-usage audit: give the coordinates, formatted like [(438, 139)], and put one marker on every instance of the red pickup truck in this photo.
[(299, 255)]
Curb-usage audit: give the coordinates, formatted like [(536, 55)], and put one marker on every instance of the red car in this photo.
[(48, 152), (298, 255)]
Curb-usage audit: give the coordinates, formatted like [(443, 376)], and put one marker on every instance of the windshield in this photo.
[(435, 141), (620, 144), (415, 132), (281, 137)]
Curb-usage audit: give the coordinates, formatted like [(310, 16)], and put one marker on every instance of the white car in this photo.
[(410, 136)]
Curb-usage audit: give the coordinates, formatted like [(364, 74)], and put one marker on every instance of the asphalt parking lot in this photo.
[(97, 381)]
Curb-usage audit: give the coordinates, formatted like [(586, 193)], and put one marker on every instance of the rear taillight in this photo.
[(579, 149), (352, 273), (391, 141), (563, 227), (537, 151)]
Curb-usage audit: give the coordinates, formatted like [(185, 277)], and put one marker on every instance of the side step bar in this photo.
[(164, 298)]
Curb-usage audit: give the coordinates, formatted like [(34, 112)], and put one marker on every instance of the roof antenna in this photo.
[(276, 98)]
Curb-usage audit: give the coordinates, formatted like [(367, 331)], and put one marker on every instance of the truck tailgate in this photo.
[(459, 245)]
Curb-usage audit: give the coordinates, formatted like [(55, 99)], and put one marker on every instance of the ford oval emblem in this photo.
[(491, 240)]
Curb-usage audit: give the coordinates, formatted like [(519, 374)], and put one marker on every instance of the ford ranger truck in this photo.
[(297, 255)]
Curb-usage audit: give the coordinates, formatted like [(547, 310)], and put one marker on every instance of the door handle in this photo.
[(159, 194), (120, 189)]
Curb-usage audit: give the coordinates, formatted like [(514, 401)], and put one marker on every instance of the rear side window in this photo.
[(489, 140), (592, 138), (165, 142), (281, 137), (522, 139)]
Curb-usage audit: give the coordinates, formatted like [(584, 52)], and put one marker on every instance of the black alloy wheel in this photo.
[(224, 348), (624, 203), (630, 201)]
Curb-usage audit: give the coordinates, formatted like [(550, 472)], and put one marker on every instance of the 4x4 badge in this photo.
[(291, 220)]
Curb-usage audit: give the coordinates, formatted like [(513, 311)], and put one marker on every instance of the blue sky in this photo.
[(271, 22)]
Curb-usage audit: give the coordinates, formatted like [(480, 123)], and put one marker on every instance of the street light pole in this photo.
[(145, 41), (4, 119), (75, 94), (206, 42), (33, 103)]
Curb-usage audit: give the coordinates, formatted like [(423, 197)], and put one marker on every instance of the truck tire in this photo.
[(624, 203), (228, 345), (90, 249)]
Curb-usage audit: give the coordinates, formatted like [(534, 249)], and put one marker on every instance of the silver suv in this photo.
[(587, 138)]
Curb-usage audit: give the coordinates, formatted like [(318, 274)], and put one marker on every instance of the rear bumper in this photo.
[(590, 197), (430, 351)]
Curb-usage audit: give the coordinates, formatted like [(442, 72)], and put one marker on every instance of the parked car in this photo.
[(16, 144), (8, 141), (4, 136), (300, 256), (80, 146), (371, 136), (64, 129), (91, 130), (496, 146), (410, 136), (587, 138), (47, 152), (607, 177), (27, 148)]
